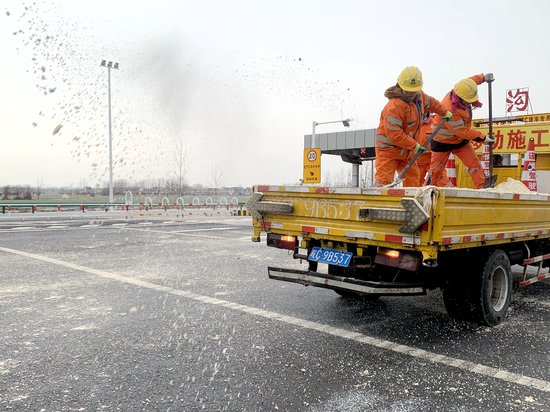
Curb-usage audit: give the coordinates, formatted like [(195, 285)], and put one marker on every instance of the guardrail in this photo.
[(7, 207), (234, 205)]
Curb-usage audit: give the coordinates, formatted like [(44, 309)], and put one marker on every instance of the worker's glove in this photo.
[(488, 77), (448, 116), (489, 139), (418, 148)]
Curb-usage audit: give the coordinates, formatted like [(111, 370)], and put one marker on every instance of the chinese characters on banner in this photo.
[(517, 100), (514, 139)]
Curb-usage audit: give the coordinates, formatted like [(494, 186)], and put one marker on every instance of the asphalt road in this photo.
[(127, 314)]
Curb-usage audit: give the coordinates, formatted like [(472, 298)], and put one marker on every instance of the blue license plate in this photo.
[(329, 256)]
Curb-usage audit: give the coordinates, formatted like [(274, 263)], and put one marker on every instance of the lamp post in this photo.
[(110, 65), (345, 122)]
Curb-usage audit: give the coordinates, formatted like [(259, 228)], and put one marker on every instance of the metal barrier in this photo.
[(58, 206), (233, 207), (128, 199), (180, 203)]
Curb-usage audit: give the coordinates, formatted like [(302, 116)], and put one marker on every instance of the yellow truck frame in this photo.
[(405, 241)]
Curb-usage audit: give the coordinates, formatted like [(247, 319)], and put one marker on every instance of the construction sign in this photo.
[(312, 165), (515, 138)]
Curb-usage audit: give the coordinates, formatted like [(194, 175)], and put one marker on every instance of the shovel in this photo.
[(491, 180), (419, 153)]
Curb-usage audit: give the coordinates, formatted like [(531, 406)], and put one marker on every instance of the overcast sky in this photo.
[(237, 82)]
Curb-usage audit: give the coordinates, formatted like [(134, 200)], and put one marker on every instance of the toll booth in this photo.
[(353, 146)]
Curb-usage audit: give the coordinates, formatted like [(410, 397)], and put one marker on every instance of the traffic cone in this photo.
[(529, 174), (450, 167), (486, 161)]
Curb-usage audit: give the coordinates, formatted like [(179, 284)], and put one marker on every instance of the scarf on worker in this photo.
[(456, 103), (397, 92)]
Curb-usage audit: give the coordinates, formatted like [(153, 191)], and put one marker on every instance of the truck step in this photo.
[(323, 280)]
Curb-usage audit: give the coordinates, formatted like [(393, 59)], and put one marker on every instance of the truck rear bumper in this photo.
[(323, 280)]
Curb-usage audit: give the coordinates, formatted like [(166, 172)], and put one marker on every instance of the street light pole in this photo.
[(110, 65), (345, 122)]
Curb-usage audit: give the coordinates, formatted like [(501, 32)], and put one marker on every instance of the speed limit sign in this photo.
[(312, 165), (311, 155)]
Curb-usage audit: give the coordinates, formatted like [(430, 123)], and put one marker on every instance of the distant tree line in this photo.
[(18, 193), (146, 187)]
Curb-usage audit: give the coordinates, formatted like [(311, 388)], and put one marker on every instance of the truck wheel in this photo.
[(491, 290), (455, 298)]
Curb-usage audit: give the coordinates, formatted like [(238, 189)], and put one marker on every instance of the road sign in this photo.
[(312, 165)]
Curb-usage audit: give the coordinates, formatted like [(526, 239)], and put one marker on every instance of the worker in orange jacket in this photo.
[(457, 134), (397, 134)]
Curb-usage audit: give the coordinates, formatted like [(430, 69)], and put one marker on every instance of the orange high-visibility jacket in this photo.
[(458, 128), (400, 123), (425, 131)]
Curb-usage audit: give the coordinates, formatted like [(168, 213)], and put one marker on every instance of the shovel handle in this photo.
[(419, 153), (490, 97)]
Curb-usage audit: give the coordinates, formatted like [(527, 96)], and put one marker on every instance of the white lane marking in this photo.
[(56, 227), (174, 233), (119, 224), (36, 229), (425, 355), (12, 229), (205, 229), (23, 228), (145, 223)]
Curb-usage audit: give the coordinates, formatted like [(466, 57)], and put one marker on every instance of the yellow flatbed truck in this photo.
[(372, 242)]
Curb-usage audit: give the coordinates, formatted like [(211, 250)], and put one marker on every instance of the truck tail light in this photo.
[(398, 259), (390, 253), (281, 241)]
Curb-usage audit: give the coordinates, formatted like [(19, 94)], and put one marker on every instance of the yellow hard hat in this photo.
[(410, 79), (466, 89)]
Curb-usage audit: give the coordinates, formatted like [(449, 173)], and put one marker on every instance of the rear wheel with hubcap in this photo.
[(482, 291)]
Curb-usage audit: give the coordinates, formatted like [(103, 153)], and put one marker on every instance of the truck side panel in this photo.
[(459, 218), (466, 218)]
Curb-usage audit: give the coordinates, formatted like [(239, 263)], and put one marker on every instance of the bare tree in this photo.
[(217, 177), (27, 195), (327, 181), (181, 163), (120, 186), (343, 178), (39, 185)]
